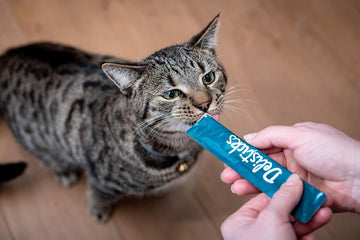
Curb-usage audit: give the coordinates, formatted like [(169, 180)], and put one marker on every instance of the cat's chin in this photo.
[(182, 127), (186, 126), (214, 116)]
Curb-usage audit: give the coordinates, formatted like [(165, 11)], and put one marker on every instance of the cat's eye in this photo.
[(171, 94), (208, 78)]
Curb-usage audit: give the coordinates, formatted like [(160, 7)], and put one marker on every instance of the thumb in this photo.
[(275, 136), (286, 198)]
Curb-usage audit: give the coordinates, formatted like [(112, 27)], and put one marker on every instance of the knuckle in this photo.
[(226, 227)]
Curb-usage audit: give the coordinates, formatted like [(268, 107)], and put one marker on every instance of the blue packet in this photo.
[(252, 164)]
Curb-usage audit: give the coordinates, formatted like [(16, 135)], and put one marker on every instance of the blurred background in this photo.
[(288, 61)]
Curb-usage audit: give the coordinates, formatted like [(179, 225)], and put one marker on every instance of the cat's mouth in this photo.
[(214, 116), (182, 125)]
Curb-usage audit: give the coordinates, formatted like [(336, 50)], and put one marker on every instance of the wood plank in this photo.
[(174, 216)]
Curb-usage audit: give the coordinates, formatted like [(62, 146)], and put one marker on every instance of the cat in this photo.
[(122, 123)]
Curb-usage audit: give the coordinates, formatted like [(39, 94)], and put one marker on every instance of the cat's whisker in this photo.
[(227, 115), (240, 101), (168, 125), (154, 130), (159, 131), (166, 122), (150, 121), (163, 126), (237, 110), (230, 105), (233, 86), (235, 101), (238, 86), (235, 93), (158, 128), (229, 92), (155, 118)]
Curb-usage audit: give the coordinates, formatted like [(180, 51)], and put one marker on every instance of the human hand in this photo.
[(262, 218), (318, 153)]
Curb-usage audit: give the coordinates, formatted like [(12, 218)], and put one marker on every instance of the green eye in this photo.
[(208, 78), (171, 94)]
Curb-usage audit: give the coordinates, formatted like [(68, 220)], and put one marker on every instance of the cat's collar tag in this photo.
[(185, 164)]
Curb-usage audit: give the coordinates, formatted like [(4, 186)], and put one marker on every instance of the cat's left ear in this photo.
[(123, 75), (207, 38)]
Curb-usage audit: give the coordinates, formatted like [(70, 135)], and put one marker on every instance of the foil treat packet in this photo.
[(252, 164)]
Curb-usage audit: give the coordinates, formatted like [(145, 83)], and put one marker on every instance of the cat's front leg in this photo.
[(66, 174), (100, 205)]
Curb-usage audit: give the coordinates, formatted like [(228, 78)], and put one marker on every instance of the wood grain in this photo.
[(287, 61)]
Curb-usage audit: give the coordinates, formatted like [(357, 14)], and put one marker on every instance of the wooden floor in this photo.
[(292, 61)]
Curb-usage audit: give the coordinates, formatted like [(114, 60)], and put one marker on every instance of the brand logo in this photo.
[(252, 156)]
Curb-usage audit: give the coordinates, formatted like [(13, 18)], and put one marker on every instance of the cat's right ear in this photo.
[(123, 75), (207, 38)]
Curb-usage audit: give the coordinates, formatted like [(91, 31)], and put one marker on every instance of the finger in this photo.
[(279, 158), (275, 136), (253, 207), (285, 199), (267, 151), (273, 150), (229, 176), (305, 124), (244, 215), (307, 237), (243, 187), (314, 126), (322, 217), (329, 201)]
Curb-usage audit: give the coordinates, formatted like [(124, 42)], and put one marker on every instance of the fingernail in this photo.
[(330, 210), (292, 180), (232, 190), (221, 177), (249, 136)]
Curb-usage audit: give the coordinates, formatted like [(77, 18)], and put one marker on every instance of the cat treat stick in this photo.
[(252, 164)]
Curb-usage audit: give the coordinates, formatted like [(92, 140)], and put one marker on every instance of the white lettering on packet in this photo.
[(251, 155)]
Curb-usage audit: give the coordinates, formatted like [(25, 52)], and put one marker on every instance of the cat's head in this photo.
[(173, 88)]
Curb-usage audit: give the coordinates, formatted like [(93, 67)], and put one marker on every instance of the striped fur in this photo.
[(77, 111)]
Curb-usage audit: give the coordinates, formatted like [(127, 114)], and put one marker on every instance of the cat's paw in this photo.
[(99, 213), (66, 179)]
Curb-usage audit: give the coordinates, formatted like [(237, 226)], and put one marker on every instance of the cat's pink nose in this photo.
[(204, 106)]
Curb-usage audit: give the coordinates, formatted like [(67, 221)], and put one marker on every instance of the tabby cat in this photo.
[(122, 123)]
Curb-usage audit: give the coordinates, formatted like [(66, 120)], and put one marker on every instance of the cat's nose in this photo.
[(203, 106)]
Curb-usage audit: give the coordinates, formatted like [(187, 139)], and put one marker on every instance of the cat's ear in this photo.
[(123, 75), (207, 38)]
